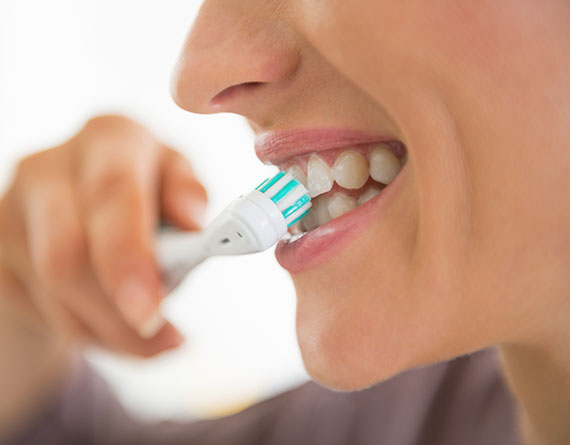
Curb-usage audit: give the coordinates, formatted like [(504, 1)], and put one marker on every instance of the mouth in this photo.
[(346, 172)]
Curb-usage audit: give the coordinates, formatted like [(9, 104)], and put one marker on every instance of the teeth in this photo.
[(298, 174), (384, 165), (295, 229), (295, 237), (319, 176), (322, 210), (368, 195), (326, 208), (310, 222), (339, 204), (318, 215), (351, 170)]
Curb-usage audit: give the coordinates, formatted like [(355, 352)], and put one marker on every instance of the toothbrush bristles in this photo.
[(288, 194)]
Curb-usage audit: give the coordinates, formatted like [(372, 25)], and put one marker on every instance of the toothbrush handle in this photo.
[(249, 224), (177, 253)]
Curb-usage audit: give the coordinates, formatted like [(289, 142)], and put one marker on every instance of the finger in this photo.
[(72, 297), (67, 290), (118, 187), (182, 198), (16, 301), (18, 232), (13, 249), (108, 328), (87, 314)]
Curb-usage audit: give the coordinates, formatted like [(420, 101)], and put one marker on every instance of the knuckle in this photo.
[(29, 166), (117, 126), (106, 120), (107, 185), (39, 166)]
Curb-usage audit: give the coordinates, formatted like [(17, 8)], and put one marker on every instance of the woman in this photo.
[(468, 247)]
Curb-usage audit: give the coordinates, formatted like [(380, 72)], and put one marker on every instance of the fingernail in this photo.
[(136, 304), (151, 327)]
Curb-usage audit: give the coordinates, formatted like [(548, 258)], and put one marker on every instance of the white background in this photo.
[(63, 61)]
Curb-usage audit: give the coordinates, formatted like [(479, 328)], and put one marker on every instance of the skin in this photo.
[(76, 224), (473, 252)]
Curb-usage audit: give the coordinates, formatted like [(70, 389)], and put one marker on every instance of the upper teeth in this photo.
[(384, 165), (298, 174), (351, 170), (319, 176)]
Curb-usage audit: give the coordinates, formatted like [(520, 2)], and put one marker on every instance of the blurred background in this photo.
[(64, 61)]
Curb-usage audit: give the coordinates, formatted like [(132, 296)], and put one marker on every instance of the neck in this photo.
[(540, 379)]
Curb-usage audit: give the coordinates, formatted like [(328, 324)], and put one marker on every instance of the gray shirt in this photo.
[(461, 402)]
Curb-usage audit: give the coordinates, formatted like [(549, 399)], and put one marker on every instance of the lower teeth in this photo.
[(326, 208), (292, 238)]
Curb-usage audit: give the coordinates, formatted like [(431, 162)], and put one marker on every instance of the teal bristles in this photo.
[(285, 190), (300, 203), (288, 194), (296, 220), (265, 185)]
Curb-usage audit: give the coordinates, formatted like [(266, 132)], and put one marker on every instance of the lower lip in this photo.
[(322, 244)]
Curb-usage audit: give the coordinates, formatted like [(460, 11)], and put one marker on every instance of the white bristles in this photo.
[(292, 196)]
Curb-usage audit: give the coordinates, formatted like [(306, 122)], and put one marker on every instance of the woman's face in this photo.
[(469, 245)]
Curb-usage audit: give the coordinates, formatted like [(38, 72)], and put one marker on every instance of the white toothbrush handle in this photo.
[(177, 253), (251, 223)]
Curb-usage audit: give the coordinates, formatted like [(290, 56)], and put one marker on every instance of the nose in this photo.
[(239, 57)]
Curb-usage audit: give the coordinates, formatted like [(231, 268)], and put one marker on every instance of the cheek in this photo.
[(387, 302), (376, 44), (440, 276)]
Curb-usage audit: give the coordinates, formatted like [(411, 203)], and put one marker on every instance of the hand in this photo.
[(77, 228)]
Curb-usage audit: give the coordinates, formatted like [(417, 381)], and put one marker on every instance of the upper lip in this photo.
[(278, 146)]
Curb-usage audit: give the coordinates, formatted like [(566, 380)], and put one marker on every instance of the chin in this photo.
[(342, 368), (344, 350), (353, 334)]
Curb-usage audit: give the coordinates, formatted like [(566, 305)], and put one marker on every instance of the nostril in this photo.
[(230, 92)]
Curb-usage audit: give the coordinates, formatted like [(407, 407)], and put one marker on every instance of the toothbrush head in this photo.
[(258, 220), (252, 223), (288, 194)]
